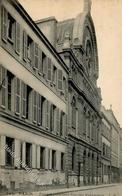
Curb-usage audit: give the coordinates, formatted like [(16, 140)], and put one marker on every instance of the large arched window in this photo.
[(73, 112), (73, 158)]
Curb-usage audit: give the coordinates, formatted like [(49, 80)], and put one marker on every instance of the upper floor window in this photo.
[(10, 89), (73, 112), (54, 76), (11, 28)]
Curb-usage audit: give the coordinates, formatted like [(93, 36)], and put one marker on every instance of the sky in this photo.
[(107, 17)]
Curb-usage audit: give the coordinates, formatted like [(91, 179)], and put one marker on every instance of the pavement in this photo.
[(66, 191)]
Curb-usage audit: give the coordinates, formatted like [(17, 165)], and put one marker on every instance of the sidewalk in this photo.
[(64, 190)]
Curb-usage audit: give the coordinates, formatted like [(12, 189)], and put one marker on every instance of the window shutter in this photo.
[(32, 54), (46, 158), (64, 124), (3, 85), (24, 99), (45, 67), (34, 106), (40, 61), (39, 109), (4, 24), (50, 158), (36, 57), (60, 80), (47, 114), (49, 73), (58, 160), (17, 37), (17, 96), (25, 45), (58, 122)]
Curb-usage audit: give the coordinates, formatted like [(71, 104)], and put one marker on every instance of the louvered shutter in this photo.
[(17, 38), (17, 95), (24, 99), (25, 45), (40, 61), (51, 118), (32, 54), (64, 124), (34, 106), (60, 80), (4, 24), (39, 109), (50, 158), (3, 85), (49, 73), (47, 114), (58, 121), (36, 56), (58, 160), (46, 158), (45, 63)]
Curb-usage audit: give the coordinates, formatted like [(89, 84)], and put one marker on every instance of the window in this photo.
[(62, 161), (103, 148), (74, 113), (28, 154), (30, 50), (64, 86), (43, 103), (9, 151), (42, 157), (29, 102), (3, 85), (11, 28), (60, 80), (44, 64), (73, 158), (54, 75), (10, 78), (53, 159)]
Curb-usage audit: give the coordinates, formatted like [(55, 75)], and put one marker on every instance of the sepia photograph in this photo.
[(61, 97)]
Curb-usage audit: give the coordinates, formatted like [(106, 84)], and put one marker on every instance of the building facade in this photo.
[(33, 103), (115, 146), (75, 41), (106, 147), (52, 129)]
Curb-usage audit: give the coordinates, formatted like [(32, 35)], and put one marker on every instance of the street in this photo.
[(105, 191)]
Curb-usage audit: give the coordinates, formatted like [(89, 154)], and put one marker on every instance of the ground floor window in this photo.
[(9, 151)]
